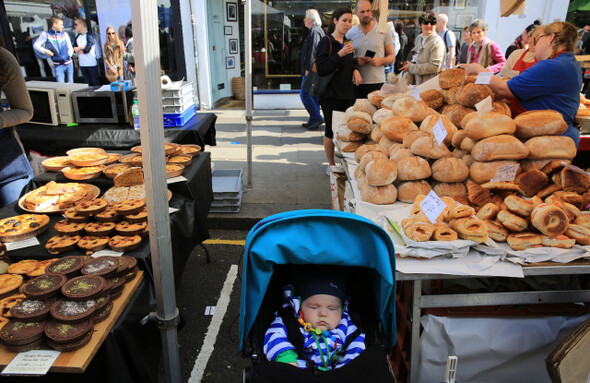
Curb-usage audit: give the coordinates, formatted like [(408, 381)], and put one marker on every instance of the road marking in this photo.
[(225, 242), (213, 330)]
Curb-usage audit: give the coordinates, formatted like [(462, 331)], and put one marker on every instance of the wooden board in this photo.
[(77, 361)]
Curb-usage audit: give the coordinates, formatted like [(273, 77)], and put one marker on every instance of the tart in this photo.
[(100, 228), (61, 243), (171, 148), (131, 275), (108, 215), (55, 164), (116, 194), (69, 266), (112, 170), (129, 207), (22, 267), (102, 301), (73, 215), (174, 170), (71, 346), (137, 160), (73, 311), (64, 332), (183, 160), (92, 243), (124, 243), (129, 228), (191, 150), (44, 287), (118, 285), (8, 303), (88, 159), (142, 216), (126, 159), (131, 262), (19, 333), (105, 267), (69, 228), (82, 173), (3, 322), (95, 206), (23, 227), (41, 268), (85, 150), (113, 157), (32, 310), (136, 149), (84, 287), (104, 313)]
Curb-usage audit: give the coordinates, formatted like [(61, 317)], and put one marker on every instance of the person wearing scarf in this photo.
[(484, 51)]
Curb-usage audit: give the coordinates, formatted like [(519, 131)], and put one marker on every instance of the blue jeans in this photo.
[(90, 74), (311, 104), (10, 191), (61, 71)]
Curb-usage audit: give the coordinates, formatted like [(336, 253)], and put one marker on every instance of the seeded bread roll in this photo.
[(553, 147), (381, 172), (408, 190), (367, 148), (471, 94), (491, 124), (449, 169), (502, 147), (411, 108), (413, 168), (360, 122), (549, 220), (451, 77), (454, 190), (429, 148), (433, 98), (395, 128), (536, 123), (364, 105), (482, 172), (456, 113), (379, 195), (429, 122)]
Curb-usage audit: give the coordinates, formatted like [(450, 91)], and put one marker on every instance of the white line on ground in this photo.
[(213, 330)]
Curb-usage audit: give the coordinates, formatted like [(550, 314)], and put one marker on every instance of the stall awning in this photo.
[(579, 5)]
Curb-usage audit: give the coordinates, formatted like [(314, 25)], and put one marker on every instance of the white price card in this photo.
[(415, 92), (432, 206), (574, 168), (505, 173), (22, 244), (31, 363), (175, 179), (107, 253), (439, 131), (484, 106), (483, 77)]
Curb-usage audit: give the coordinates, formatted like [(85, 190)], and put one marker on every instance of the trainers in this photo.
[(315, 125)]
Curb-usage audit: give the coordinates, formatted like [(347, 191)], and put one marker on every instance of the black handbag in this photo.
[(316, 85)]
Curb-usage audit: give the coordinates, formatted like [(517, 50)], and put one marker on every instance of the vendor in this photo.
[(553, 83)]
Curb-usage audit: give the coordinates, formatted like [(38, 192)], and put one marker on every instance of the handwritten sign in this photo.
[(505, 173), (483, 78), (415, 92), (31, 363), (439, 131), (484, 106), (432, 206)]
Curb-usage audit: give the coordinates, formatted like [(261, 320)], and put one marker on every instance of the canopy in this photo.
[(579, 5)]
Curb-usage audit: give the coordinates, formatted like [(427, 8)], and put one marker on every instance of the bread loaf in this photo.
[(367, 148), (491, 124), (468, 160), (349, 147), (360, 122), (456, 113), (467, 144), (433, 98), (375, 97), (482, 172), (413, 168), (502, 108), (388, 101), (502, 147), (408, 190), (345, 134), (386, 142), (536, 123), (451, 95), (458, 138), (364, 105), (453, 190), (451, 77), (471, 94), (549, 220), (381, 115), (376, 134), (411, 108), (468, 117), (398, 155), (368, 157), (459, 154), (554, 147), (395, 128), (429, 148), (449, 169), (523, 241), (429, 122), (412, 136), (380, 172), (379, 195)]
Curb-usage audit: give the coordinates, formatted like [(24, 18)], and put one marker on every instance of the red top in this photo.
[(520, 66)]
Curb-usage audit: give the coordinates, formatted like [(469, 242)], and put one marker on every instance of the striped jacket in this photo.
[(276, 341)]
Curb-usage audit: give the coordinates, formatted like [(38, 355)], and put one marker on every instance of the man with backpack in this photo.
[(451, 44)]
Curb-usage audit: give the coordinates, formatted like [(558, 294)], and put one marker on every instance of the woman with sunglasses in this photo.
[(428, 52), (552, 83), (113, 55), (484, 51)]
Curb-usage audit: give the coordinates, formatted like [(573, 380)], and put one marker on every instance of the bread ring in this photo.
[(556, 201), (512, 221), (550, 220), (524, 240), (488, 211), (561, 241), (496, 231), (461, 211), (572, 211), (579, 233), (519, 206)]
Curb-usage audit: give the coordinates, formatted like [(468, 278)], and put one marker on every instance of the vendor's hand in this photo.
[(405, 67), (356, 77), (346, 50), (473, 68)]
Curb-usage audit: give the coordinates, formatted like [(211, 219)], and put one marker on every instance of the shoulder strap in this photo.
[(293, 334), (445, 39)]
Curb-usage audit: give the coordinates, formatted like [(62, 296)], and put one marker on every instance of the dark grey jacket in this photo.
[(309, 45)]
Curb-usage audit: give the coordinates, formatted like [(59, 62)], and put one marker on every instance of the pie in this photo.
[(95, 206), (137, 160), (113, 157), (68, 227), (191, 150), (138, 217), (88, 159), (82, 173), (41, 268), (93, 243), (128, 207), (9, 282), (116, 194), (61, 243), (22, 267), (126, 159), (57, 196), (112, 171), (171, 148), (56, 164), (100, 228), (73, 215), (7, 303), (124, 243), (130, 228), (174, 170), (107, 215), (181, 160), (22, 227), (85, 150)]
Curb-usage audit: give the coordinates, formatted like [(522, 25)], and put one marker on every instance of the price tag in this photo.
[(22, 244), (31, 363), (415, 92), (483, 78), (172, 210), (176, 179), (439, 131), (505, 173), (574, 168), (484, 106), (432, 206), (106, 253)]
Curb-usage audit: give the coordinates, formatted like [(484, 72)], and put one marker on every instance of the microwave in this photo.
[(52, 102), (97, 107)]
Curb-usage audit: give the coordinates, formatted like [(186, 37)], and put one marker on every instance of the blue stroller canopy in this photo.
[(317, 237)]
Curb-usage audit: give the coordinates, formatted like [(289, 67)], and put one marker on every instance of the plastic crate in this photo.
[(227, 184), (179, 108), (180, 92), (179, 119)]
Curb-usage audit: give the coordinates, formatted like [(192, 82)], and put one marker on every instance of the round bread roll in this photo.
[(512, 221), (345, 134), (375, 97), (429, 122), (458, 153), (450, 170), (502, 108), (386, 142), (400, 154), (347, 113), (454, 190), (580, 233), (357, 172), (471, 94), (456, 113), (560, 241), (413, 168), (395, 147), (395, 128), (364, 105), (482, 172), (380, 172), (410, 107), (368, 157), (451, 77), (388, 101), (458, 138), (451, 95), (523, 241), (360, 122), (412, 136), (429, 148), (361, 151), (491, 124), (468, 117), (361, 179), (519, 206), (549, 220), (376, 134), (502, 147), (379, 195), (468, 160), (467, 144), (408, 191), (433, 98), (381, 115), (349, 147), (488, 211), (539, 123), (558, 147)]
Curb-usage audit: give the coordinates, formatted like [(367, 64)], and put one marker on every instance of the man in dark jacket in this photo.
[(313, 22)]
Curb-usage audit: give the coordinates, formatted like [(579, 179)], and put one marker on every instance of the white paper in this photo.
[(483, 78), (176, 179), (104, 88), (432, 206), (505, 173), (415, 92), (484, 106), (439, 131), (31, 363), (172, 210), (22, 244), (106, 253)]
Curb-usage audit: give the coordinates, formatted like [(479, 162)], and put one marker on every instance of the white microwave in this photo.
[(52, 102), (100, 107)]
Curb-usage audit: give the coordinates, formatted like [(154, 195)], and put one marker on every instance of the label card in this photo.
[(439, 131), (571, 167), (505, 173), (31, 363), (483, 78), (22, 244), (172, 210), (175, 179), (415, 92), (484, 106), (432, 206), (106, 253)]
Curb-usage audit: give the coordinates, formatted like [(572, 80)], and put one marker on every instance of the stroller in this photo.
[(275, 250)]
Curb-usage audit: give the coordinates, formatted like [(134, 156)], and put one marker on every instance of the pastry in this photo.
[(22, 267), (524, 240), (105, 267), (550, 220), (93, 207), (69, 266), (68, 227), (32, 310), (44, 287), (8, 303), (488, 211), (142, 216), (88, 159), (561, 241), (580, 233), (108, 215), (22, 227), (73, 216), (92, 243), (68, 336), (40, 268), (55, 164), (129, 177), (128, 207), (104, 313), (82, 173), (519, 206), (124, 243), (512, 221), (84, 287), (61, 243), (189, 149), (22, 335), (174, 170), (496, 231), (73, 311), (99, 228), (442, 232)]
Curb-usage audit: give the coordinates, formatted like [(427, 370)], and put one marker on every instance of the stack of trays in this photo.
[(227, 191), (178, 104)]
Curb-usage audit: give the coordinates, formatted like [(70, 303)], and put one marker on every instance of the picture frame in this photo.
[(231, 11), (460, 4), (230, 62), (228, 30), (233, 46)]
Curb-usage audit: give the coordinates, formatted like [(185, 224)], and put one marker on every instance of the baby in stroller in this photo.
[(319, 316)]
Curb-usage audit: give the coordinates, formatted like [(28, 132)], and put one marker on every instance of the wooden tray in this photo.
[(77, 361), (54, 208)]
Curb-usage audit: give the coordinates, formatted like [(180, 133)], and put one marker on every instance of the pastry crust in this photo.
[(68, 227), (93, 207), (22, 227), (61, 243), (124, 243)]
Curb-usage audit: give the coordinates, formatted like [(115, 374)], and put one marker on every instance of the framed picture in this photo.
[(228, 30), (233, 46), (460, 4), (231, 10), (230, 63)]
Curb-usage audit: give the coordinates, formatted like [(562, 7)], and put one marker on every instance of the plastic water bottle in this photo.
[(135, 113)]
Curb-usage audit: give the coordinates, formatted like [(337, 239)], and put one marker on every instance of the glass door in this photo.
[(217, 52)]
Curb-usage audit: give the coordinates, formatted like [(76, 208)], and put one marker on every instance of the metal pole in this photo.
[(248, 74), (147, 58)]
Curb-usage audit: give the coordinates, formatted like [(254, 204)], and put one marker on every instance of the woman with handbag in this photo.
[(113, 55), (334, 57)]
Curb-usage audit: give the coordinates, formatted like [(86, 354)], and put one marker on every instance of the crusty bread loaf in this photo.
[(549, 219), (468, 117), (456, 113), (413, 168), (381, 115), (502, 147), (361, 151), (433, 98), (412, 136), (536, 123), (364, 105), (449, 169), (491, 124), (360, 122), (458, 138), (467, 144), (429, 148), (451, 77), (349, 147), (429, 122), (376, 134), (398, 155), (380, 172), (482, 172), (345, 134), (458, 153), (454, 190), (376, 97), (551, 147), (395, 128), (468, 160), (471, 94), (502, 108), (451, 95), (370, 156), (386, 142), (388, 101), (410, 107), (408, 190), (379, 195)]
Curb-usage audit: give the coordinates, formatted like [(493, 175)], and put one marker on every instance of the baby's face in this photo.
[(322, 311)]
